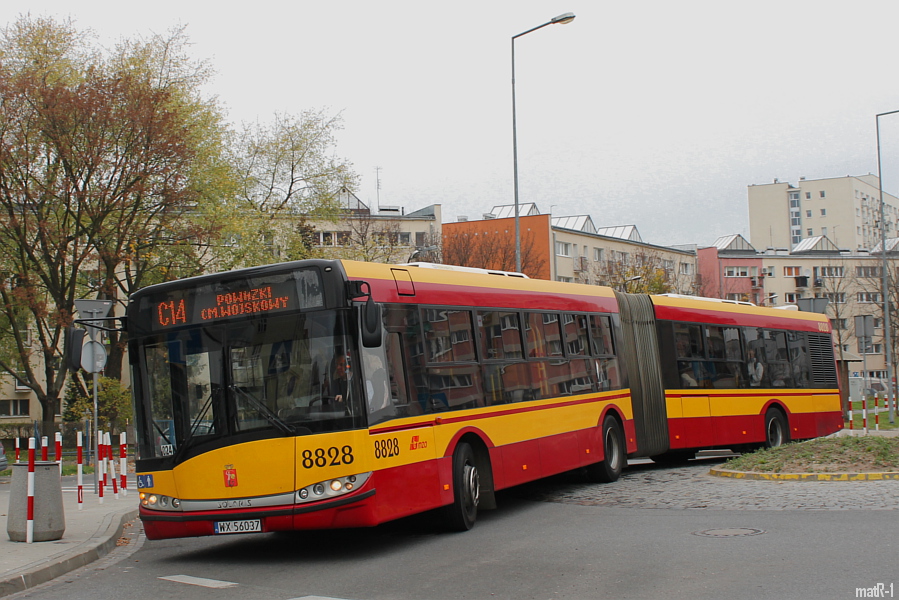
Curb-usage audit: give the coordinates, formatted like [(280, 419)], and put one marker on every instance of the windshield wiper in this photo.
[(182, 448), (265, 411)]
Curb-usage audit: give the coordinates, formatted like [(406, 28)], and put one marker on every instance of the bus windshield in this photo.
[(263, 377)]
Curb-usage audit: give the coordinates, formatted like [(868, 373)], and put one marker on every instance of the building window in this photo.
[(792, 272), (563, 249), (808, 214), (871, 349), (808, 195), (736, 297), (830, 271), (821, 194), (838, 323), (809, 232), (597, 254), (736, 271), (14, 408), (823, 212), (405, 238), (791, 297), (824, 231), (869, 271), (834, 297), (686, 269), (869, 297), (565, 279)]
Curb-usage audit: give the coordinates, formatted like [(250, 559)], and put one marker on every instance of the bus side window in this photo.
[(397, 372)]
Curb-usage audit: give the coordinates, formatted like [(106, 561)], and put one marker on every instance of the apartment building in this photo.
[(383, 234), (846, 210), (571, 248)]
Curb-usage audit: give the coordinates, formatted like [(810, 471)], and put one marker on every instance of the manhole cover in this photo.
[(730, 532)]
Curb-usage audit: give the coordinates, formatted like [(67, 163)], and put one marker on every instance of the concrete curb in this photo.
[(98, 546), (804, 476)]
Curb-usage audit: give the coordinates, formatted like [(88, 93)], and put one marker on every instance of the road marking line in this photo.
[(317, 598), (210, 583)]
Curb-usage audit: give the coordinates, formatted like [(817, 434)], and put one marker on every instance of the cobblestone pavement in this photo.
[(690, 487)]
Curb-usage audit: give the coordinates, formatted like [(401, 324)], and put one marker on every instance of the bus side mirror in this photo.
[(74, 343), (371, 324)]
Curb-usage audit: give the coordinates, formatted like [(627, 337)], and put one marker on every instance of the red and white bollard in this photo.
[(865, 414), (851, 421), (101, 456), (58, 440), (80, 444), (17, 449), (45, 448), (123, 462), (877, 411), (29, 525), (111, 466)]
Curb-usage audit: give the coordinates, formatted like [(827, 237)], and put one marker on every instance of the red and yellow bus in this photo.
[(325, 394)]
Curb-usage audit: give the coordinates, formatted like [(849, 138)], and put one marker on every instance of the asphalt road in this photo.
[(552, 540)]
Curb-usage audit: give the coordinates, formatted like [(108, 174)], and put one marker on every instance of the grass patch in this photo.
[(866, 454)]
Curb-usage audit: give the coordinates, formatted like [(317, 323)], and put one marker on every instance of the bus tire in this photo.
[(463, 512), (614, 453), (777, 430)]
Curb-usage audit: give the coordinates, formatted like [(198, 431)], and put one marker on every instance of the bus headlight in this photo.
[(159, 502), (331, 488)]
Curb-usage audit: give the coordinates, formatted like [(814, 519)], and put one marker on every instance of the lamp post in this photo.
[(887, 343), (628, 280), (562, 19)]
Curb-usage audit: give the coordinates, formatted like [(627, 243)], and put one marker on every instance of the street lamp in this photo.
[(562, 19), (888, 353), (628, 280)]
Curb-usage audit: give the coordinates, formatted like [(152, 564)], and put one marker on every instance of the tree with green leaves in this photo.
[(114, 411), (287, 174), (102, 156)]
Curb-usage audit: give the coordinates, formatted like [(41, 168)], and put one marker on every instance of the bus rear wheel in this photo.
[(614, 453), (463, 512), (777, 432)]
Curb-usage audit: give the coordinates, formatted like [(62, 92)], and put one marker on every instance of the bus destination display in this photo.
[(203, 305)]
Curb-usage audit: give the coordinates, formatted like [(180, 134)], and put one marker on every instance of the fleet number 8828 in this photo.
[(333, 456)]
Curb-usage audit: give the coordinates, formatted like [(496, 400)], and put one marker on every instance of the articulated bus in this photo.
[(328, 394)]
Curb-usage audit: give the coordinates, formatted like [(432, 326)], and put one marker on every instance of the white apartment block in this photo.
[(583, 253), (844, 209)]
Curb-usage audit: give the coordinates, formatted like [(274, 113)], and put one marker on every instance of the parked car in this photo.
[(4, 464)]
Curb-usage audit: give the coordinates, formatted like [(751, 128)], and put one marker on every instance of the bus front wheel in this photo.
[(614, 453), (462, 513)]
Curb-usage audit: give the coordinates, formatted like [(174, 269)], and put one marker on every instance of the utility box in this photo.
[(49, 515)]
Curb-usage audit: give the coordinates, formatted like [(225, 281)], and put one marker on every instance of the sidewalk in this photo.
[(90, 534)]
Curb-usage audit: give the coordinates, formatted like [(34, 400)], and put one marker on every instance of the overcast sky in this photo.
[(654, 113)]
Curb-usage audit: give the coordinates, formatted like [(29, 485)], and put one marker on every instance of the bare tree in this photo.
[(640, 272), (372, 239), (494, 251)]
